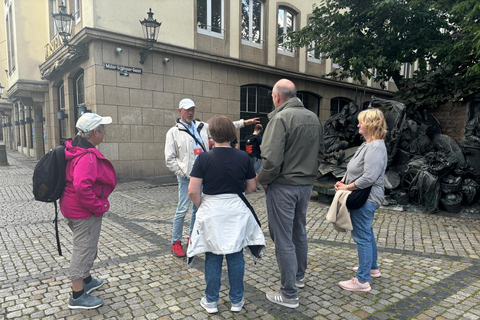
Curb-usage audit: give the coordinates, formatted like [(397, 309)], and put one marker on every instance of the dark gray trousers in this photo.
[(287, 208)]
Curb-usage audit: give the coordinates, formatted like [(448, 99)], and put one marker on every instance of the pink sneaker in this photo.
[(374, 273), (354, 285)]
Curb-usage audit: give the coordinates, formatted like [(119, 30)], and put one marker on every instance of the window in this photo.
[(285, 24), (407, 70), (313, 53), (210, 17), (310, 101), (31, 126), (61, 107), (10, 41), (252, 12), (255, 101), (53, 10), (78, 16), (79, 93), (337, 104)]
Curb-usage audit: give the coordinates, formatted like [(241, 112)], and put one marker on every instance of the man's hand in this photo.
[(264, 186), (249, 122)]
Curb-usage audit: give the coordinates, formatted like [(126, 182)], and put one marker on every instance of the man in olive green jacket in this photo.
[(292, 149)]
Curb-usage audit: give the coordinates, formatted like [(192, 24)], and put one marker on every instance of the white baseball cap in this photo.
[(186, 104), (89, 121)]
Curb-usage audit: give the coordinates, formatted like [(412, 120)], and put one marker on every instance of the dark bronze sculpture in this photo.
[(434, 171)]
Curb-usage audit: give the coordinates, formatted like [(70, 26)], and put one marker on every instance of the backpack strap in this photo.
[(193, 136), (232, 183), (56, 228)]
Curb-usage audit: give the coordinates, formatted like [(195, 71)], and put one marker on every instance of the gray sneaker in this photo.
[(93, 285), (237, 307), (85, 301), (211, 307), (300, 283), (278, 298)]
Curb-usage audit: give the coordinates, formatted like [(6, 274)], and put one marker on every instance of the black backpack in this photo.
[(49, 180), (249, 144)]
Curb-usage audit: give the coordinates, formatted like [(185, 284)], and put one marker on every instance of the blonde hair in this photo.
[(374, 121)]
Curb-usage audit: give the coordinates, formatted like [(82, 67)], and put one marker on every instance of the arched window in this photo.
[(255, 101), (337, 104), (310, 101)]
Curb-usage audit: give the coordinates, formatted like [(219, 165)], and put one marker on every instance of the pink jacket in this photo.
[(90, 179)]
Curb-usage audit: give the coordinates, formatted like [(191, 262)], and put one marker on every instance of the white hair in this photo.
[(88, 134)]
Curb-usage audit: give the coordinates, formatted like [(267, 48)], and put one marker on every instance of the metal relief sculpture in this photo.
[(425, 167)]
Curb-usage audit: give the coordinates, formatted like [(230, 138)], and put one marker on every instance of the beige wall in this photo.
[(177, 18), (30, 36), (3, 50)]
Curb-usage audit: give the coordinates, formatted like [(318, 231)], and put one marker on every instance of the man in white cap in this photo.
[(184, 142)]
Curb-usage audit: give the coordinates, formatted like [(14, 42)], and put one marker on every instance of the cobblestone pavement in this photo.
[(429, 263)]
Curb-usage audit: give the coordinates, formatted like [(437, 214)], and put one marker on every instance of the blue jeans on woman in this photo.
[(213, 275), (362, 234)]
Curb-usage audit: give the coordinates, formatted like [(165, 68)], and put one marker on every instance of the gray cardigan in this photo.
[(367, 168)]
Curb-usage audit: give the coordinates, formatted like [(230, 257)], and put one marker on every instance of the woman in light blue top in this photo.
[(367, 168)]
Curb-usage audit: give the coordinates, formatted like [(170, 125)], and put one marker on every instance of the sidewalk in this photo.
[(430, 264)]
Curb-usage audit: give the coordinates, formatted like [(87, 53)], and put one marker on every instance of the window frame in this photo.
[(77, 93), (77, 13), (52, 22), (248, 41), (281, 49), (208, 31), (407, 70), (63, 124), (312, 58), (12, 64)]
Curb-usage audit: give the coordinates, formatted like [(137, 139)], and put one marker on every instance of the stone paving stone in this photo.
[(419, 254)]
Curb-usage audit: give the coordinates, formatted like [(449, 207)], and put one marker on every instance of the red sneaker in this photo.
[(178, 249)]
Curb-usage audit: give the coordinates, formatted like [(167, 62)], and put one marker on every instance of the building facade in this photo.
[(224, 55)]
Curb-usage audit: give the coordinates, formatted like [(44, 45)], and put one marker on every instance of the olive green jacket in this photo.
[(292, 145)]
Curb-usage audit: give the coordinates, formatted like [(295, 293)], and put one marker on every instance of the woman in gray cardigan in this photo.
[(367, 168)]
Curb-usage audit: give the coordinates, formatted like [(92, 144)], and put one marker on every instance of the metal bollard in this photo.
[(3, 155)]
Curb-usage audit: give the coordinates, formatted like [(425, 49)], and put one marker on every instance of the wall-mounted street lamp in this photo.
[(1, 90), (150, 32), (63, 23), (61, 115), (82, 108)]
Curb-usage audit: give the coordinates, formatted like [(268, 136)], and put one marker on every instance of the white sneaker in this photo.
[(237, 307), (210, 307), (300, 284)]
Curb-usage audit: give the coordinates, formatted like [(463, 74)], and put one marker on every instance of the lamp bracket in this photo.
[(144, 54)]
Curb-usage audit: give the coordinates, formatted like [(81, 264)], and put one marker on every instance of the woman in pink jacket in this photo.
[(90, 179)]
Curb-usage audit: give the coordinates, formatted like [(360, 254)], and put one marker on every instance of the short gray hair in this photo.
[(88, 134)]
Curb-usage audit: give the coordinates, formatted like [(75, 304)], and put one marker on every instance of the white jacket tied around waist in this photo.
[(179, 146), (224, 225)]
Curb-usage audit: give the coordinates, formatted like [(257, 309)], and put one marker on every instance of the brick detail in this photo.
[(452, 118)]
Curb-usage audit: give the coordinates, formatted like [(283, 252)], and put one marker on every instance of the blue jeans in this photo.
[(256, 164), (182, 209), (287, 211), (362, 234), (213, 275)]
